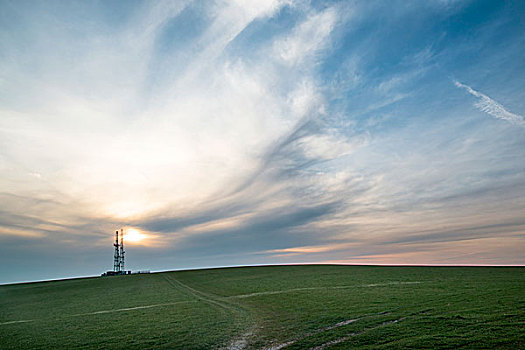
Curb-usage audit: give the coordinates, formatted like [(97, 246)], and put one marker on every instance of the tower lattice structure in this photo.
[(122, 251), (116, 256)]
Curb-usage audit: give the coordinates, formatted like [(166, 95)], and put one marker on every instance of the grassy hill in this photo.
[(279, 307)]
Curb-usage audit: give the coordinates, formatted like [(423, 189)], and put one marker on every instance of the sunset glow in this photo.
[(133, 236), (260, 132)]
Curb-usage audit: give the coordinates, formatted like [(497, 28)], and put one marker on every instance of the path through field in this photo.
[(241, 315), (271, 308)]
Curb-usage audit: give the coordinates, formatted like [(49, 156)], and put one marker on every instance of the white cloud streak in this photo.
[(308, 38), (495, 109)]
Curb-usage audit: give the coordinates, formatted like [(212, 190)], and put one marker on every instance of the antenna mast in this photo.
[(116, 257), (122, 250)]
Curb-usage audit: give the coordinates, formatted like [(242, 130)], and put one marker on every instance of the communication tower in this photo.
[(116, 256), (122, 250)]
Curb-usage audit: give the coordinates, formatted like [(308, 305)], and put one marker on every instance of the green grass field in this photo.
[(278, 307)]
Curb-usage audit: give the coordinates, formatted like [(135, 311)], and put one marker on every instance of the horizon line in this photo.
[(269, 265)]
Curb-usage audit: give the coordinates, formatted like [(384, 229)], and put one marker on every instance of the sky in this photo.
[(227, 133)]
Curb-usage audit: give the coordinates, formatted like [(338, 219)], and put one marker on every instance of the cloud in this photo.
[(239, 132), (488, 105), (307, 38), (113, 151)]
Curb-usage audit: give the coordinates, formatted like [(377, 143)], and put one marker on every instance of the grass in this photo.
[(291, 307)]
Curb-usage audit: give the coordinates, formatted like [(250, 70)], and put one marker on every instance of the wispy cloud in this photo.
[(488, 105), (308, 38), (242, 132)]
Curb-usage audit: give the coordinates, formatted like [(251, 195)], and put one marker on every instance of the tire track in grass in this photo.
[(101, 312), (304, 336), (345, 338), (242, 296), (12, 322), (341, 324), (130, 308), (241, 315), (321, 330), (354, 334)]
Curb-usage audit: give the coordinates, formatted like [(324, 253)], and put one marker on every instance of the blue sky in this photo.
[(260, 132)]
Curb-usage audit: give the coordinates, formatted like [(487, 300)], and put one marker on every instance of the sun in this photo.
[(133, 236)]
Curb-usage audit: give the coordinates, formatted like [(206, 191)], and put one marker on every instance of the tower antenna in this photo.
[(122, 250), (116, 256)]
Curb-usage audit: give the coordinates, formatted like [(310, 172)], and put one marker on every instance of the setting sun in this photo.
[(133, 236)]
